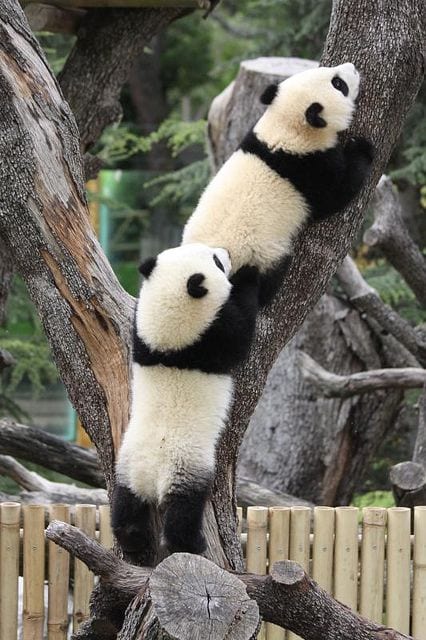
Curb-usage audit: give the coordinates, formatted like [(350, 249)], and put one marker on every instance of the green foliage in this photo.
[(394, 291), (33, 364), (374, 499), (181, 189), (56, 47)]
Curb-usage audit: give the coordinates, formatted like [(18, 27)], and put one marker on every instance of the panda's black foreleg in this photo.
[(359, 154), (183, 509), (135, 524), (271, 280)]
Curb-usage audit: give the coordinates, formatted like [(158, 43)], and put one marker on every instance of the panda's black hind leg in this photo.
[(183, 510), (135, 524)]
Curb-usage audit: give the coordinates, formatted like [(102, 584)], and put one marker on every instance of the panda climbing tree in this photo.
[(86, 315)]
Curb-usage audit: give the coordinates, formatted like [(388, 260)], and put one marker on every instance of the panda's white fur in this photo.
[(249, 208), (191, 327), (176, 417), (176, 414), (167, 317)]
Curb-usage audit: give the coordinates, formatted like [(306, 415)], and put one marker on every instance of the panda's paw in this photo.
[(361, 147), (196, 543), (245, 275)]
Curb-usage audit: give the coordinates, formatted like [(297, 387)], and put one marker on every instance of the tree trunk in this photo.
[(108, 43), (300, 442)]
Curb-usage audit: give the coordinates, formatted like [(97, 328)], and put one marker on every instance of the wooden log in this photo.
[(372, 563), (418, 622), (286, 597), (323, 547), (33, 612), (10, 513), (37, 445), (408, 480), (42, 17), (398, 569), (250, 493), (59, 567), (346, 556), (85, 519)]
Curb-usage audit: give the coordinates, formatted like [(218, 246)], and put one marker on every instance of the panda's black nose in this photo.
[(194, 286)]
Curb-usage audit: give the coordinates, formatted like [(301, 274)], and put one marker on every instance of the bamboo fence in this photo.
[(374, 562)]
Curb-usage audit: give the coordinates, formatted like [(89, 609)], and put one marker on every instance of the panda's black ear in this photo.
[(313, 117), (269, 94), (147, 266), (194, 286)]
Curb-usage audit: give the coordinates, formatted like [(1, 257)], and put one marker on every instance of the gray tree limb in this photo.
[(366, 299), (39, 489), (286, 597), (41, 447), (390, 234), (332, 385), (419, 454)]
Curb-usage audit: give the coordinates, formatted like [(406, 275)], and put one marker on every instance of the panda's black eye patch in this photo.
[(218, 263), (340, 85)]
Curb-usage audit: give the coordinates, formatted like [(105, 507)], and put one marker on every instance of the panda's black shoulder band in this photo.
[(252, 144)]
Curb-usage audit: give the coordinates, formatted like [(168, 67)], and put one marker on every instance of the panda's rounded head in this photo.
[(183, 291), (306, 111)]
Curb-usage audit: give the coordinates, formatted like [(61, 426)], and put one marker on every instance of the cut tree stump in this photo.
[(408, 481), (190, 597)]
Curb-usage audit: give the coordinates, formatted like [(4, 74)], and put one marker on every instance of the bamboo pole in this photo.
[(419, 578), (33, 612), (59, 569), (373, 563), (398, 569), (257, 523), (300, 526), (346, 556), (85, 519), (105, 532), (323, 547), (279, 546), (10, 513)]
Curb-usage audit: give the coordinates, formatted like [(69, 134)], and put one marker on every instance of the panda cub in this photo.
[(290, 168), (192, 326)]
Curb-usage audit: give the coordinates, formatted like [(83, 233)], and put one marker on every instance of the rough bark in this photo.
[(45, 225), (367, 301), (286, 597), (37, 445), (408, 480), (390, 234), (108, 43), (251, 493), (419, 454), (294, 423), (38, 488), (332, 385)]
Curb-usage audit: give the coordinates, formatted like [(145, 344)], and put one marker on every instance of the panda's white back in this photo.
[(176, 418), (250, 210)]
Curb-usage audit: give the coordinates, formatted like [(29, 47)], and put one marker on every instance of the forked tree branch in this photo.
[(286, 597)]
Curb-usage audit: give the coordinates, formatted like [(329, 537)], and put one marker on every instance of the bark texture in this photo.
[(303, 443), (6, 275), (45, 226), (108, 43), (286, 597), (390, 234)]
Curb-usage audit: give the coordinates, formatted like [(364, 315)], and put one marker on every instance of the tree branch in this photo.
[(419, 454), (41, 447), (390, 234), (365, 299), (333, 385), (44, 491), (109, 41), (286, 597)]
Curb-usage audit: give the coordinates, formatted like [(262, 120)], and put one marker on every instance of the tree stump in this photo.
[(408, 481), (188, 597)]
